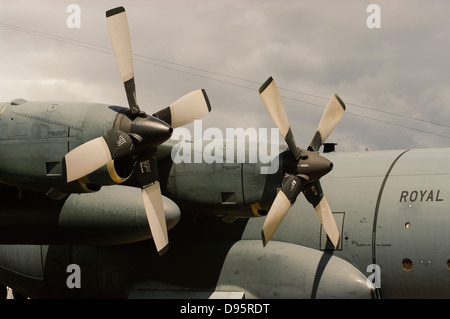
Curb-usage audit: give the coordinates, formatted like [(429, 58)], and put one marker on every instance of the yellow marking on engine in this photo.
[(113, 174), (6, 183), (83, 183), (255, 208), (3, 109)]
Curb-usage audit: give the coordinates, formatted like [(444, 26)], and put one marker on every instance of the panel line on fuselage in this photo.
[(377, 206)]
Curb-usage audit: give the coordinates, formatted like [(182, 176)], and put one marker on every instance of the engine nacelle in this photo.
[(228, 187), (297, 272), (114, 215), (35, 136)]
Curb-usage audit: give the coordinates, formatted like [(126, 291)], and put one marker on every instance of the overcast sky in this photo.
[(394, 79)]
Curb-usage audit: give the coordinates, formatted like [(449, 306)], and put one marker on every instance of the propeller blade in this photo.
[(330, 119), (146, 173), (92, 155), (314, 194), (276, 214), (272, 100), (325, 215), (188, 108), (121, 44), (291, 187), (155, 215)]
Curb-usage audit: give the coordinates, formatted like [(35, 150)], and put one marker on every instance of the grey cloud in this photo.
[(320, 48)]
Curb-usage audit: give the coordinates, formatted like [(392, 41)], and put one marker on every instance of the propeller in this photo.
[(303, 168), (145, 171), (121, 44), (140, 136), (100, 151), (181, 111)]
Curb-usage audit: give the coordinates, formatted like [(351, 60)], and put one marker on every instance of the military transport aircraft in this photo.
[(89, 191)]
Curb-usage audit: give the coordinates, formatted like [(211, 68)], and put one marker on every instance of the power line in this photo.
[(139, 58)]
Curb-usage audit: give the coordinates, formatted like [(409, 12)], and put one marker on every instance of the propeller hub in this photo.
[(149, 132), (311, 166)]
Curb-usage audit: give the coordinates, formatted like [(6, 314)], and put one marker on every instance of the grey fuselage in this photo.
[(391, 207)]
